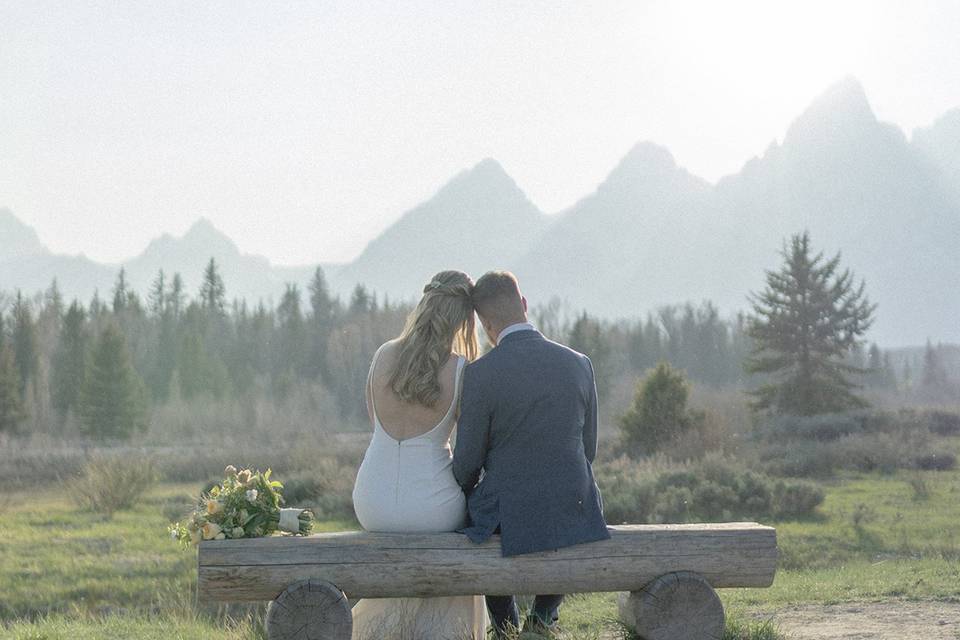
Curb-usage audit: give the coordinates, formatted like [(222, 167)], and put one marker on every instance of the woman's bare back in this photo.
[(400, 419)]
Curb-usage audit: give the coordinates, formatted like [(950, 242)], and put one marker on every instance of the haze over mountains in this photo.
[(651, 233)]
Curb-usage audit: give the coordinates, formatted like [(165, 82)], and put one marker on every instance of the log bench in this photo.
[(668, 574)]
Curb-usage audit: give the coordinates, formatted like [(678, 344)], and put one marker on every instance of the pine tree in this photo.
[(321, 325), (157, 299), (586, 336), (293, 342), (213, 293), (934, 378), (875, 366), (806, 322), (360, 300), (52, 313), (176, 297), (24, 342), (120, 292), (112, 401), (70, 361), (12, 412), (659, 411)]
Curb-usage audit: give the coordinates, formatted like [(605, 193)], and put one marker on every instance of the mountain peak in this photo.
[(17, 240), (842, 110), (202, 228), (645, 161), (486, 179)]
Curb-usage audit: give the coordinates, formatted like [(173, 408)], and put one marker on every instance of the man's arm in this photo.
[(473, 433), (591, 419)]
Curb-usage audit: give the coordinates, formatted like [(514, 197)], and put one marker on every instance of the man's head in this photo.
[(499, 304)]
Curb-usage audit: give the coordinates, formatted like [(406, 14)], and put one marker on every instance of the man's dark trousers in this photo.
[(504, 612)]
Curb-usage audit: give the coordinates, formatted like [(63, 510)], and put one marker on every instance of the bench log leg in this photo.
[(310, 610), (675, 606)]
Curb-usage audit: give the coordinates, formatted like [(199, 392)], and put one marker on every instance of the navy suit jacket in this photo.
[(526, 439)]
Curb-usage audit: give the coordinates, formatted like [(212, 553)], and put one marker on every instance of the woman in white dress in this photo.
[(406, 483)]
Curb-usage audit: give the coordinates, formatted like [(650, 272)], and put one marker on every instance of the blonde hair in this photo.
[(441, 324)]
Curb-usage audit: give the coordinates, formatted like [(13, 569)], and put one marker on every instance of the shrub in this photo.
[(327, 488), (943, 423), (936, 462), (659, 412), (796, 499), (754, 493), (672, 505), (799, 459), (713, 501), (629, 493), (876, 452), (713, 490), (107, 485), (866, 452), (822, 427)]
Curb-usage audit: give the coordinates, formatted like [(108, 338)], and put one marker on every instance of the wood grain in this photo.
[(673, 606), (382, 565), (309, 610)]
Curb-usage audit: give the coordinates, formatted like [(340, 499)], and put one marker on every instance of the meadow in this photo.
[(69, 572)]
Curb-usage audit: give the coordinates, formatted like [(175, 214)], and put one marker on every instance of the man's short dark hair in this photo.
[(496, 294)]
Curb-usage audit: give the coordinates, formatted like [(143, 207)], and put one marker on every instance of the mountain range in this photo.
[(651, 233)]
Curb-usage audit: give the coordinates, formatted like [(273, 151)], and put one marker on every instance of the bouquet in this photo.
[(245, 505)]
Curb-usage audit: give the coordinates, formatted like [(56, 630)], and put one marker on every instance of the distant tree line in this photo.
[(102, 366), (106, 363)]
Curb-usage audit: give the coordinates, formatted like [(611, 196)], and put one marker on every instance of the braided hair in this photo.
[(442, 323)]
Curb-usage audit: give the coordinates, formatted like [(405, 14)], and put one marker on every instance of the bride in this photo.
[(405, 483)]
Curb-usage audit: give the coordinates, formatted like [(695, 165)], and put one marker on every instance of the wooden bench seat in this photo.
[(667, 571)]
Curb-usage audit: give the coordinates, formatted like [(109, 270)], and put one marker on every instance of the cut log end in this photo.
[(675, 605), (310, 610)]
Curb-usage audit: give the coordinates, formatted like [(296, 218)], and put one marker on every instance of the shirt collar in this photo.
[(519, 326)]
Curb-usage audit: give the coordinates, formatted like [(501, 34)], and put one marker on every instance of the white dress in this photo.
[(407, 486)]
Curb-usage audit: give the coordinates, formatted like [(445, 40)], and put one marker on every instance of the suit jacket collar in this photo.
[(518, 336)]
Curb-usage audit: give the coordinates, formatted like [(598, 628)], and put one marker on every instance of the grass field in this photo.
[(65, 573)]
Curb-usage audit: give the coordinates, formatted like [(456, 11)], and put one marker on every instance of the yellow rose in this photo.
[(214, 507), (211, 530), (244, 476), (230, 470)]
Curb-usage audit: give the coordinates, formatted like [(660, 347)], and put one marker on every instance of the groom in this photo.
[(526, 439)]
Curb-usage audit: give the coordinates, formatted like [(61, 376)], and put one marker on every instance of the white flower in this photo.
[(252, 495), (173, 533)]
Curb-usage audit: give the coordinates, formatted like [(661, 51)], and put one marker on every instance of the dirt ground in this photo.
[(896, 620)]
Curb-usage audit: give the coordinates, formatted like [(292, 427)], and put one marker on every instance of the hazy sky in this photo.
[(303, 129)]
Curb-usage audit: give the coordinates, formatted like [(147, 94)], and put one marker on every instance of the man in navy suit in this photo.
[(526, 440)]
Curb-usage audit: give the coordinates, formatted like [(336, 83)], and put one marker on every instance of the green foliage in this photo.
[(12, 412), (820, 446), (24, 340), (113, 403), (714, 490), (292, 352), (199, 372), (796, 499), (944, 423), (587, 337), (806, 321), (659, 412), (70, 361), (110, 484), (213, 293), (738, 627)]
